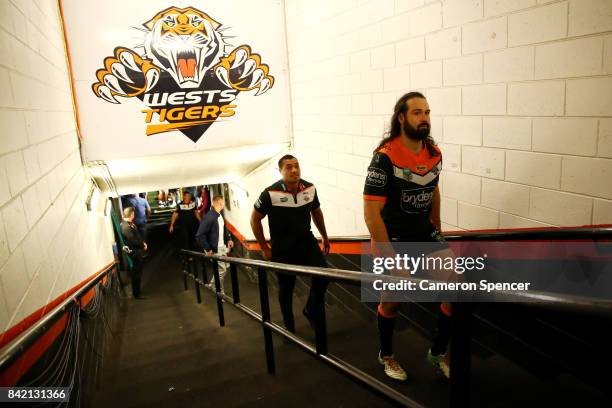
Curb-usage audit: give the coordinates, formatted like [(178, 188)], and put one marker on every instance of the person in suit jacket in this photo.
[(137, 248), (213, 237)]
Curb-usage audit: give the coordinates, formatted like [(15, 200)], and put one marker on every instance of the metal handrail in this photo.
[(16, 347), (573, 233), (320, 349), (461, 316), (540, 298), (506, 235)]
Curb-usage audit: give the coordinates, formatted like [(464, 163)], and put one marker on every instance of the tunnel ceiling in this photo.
[(140, 174)]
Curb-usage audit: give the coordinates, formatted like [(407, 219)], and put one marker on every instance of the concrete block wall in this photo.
[(246, 191), (49, 242), (520, 92)]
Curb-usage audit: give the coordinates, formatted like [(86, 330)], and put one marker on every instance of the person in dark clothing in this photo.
[(137, 248), (142, 212), (187, 219), (402, 204), (290, 204), (205, 203), (213, 236)]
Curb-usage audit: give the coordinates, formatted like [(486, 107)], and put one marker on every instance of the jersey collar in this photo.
[(301, 186), (423, 153)]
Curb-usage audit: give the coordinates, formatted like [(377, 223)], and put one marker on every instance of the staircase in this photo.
[(171, 352)]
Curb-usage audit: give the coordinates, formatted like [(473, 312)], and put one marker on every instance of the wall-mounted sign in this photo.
[(156, 76), (185, 77)]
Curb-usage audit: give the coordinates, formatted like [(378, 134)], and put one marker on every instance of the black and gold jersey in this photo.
[(405, 181), (186, 214), (288, 214)]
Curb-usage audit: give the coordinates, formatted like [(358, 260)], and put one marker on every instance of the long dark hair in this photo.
[(395, 128)]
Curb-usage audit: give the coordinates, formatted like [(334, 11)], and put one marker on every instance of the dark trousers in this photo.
[(186, 237), (142, 229), (306, 253), (136, 272)]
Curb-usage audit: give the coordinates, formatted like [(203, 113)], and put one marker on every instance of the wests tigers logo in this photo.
[(186, 74)]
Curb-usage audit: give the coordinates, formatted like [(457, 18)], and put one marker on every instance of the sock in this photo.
[(386, 327), (443, 333)]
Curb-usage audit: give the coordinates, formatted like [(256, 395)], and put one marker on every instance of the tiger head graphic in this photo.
[(185, 42), (187, 77)]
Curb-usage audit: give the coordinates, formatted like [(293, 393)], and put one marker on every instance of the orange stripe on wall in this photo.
[(529, 229), (11, 375), (336, 247), (70, 70), (356, 248), (348, 248), (236, 233)]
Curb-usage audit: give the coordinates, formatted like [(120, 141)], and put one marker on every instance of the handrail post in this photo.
[(320, 324), (194, 272), (321, 334), (218, 292), (460, 355), (235, 289), (184, 270), (204, 271), (265, 318)]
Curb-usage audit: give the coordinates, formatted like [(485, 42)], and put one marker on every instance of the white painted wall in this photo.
[(520, 91), (49, 242), (244, 194)]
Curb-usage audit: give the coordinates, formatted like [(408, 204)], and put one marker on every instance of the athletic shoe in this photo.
[(440, 363), (392, 367)]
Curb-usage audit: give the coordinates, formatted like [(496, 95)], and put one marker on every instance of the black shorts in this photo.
[(421, 233), (306, 253)]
